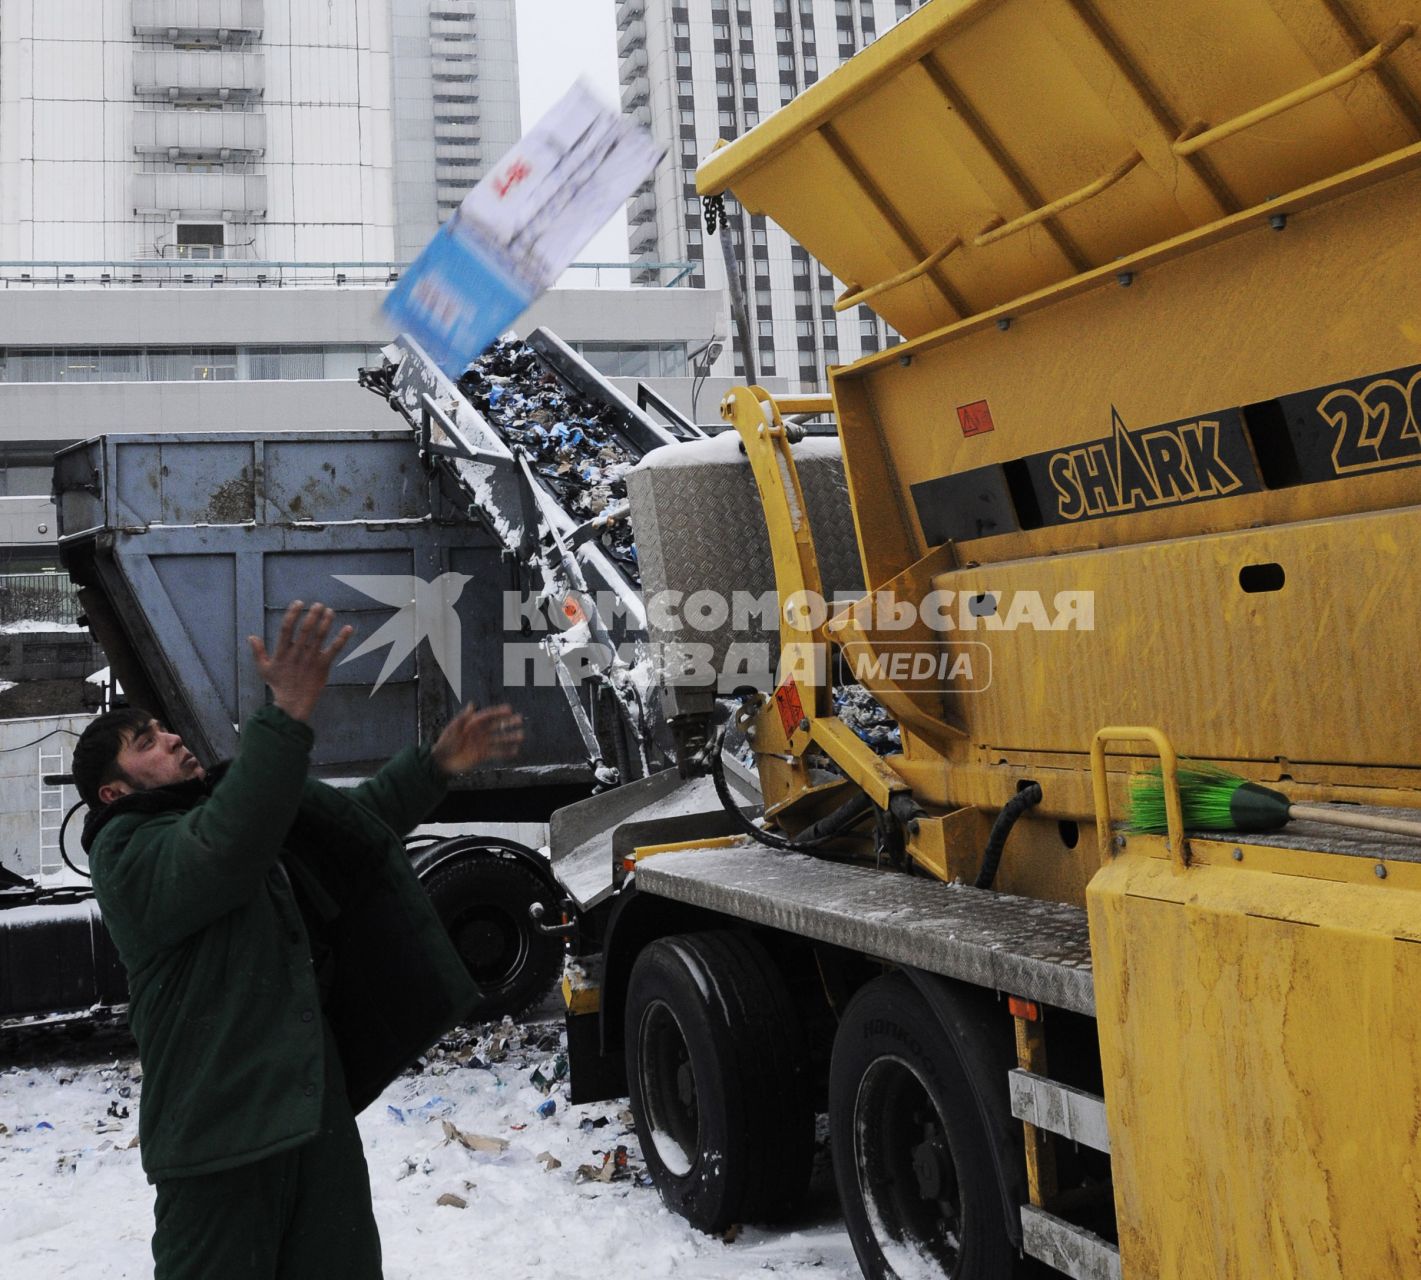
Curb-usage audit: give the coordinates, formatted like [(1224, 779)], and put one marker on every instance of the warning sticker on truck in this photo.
[(790, 708), (976, 418)]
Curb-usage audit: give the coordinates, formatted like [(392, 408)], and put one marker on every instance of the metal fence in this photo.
[(188, 272), (37, 597)]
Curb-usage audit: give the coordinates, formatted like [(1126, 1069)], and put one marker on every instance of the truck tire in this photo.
[(715, 1068), (912, 1158), (483, 898)]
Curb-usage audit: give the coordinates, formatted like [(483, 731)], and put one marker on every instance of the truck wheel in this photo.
[(911, 1154), (715, 1066), (483, 900)]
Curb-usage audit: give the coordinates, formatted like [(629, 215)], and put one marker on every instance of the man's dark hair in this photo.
[(96, 752)]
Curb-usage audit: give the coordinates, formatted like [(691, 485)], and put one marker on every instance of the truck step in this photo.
[(1038, 950), (1072, 1250), (1059, 1108)]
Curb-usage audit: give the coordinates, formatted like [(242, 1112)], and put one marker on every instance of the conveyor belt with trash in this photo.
[(540, 443)]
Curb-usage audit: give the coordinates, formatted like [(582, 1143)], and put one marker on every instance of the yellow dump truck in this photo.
[(1139, 487)]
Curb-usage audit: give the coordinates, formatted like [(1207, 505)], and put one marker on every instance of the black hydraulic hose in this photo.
[(826, 828), (1028, 797), (63, 853), (839, 821)]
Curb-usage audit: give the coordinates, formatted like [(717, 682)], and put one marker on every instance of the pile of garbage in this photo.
[(570, 440), (868, 718)]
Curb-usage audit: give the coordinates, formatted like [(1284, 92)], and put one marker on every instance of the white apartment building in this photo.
[(694, 71), (138, 129)]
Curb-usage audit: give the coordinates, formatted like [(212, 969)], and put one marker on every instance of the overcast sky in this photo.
[(559, 40)]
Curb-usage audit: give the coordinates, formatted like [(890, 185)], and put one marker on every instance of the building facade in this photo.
[(242, 129), (455, 85), (694, 71)]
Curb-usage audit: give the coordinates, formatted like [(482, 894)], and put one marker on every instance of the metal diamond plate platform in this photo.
[(1040, 950), (700, 527)]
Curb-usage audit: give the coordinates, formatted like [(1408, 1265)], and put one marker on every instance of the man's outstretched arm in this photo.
[(169, 881), (397, 796)]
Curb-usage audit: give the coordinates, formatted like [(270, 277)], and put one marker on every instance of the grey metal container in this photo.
[(183, 545)]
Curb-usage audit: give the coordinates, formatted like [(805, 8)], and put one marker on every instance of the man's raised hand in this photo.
[(298, 670), (474, 736)]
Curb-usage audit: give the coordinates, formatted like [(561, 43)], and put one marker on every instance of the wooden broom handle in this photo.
[(1340, 818)]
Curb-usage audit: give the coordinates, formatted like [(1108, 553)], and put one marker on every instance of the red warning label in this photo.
[(976, 418), (791, 709)]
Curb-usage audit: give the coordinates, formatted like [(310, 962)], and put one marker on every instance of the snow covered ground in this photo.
[(74, 1202)]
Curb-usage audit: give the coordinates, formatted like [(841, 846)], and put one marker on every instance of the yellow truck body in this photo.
[(1155, 265)]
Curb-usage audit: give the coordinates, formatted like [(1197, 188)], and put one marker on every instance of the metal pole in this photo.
[(738, 310)]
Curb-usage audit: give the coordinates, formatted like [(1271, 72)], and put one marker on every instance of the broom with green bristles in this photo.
[(1215, 800)]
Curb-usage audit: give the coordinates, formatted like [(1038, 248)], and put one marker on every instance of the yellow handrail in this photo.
[(853, 296), (1169, 770), (1087, 192), (1191, 142)]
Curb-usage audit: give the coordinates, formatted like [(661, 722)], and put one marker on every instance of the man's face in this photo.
[(152, 757)]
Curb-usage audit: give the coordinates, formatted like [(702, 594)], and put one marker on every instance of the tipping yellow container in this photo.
[(985, 149)]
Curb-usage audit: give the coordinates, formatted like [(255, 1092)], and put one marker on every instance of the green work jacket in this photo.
[(218, 896)]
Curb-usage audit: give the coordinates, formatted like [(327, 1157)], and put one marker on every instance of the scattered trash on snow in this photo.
[(70, 1187), (475, 1141)]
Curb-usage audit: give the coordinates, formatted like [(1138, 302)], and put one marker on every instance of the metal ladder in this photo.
[(1050, 1110), (52, 807)]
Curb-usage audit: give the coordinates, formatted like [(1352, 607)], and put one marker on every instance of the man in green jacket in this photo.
[(284, 964)]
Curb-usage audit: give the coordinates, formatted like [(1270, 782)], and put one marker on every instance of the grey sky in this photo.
[(559, 40)]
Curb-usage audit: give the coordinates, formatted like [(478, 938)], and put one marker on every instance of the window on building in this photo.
[(682, 29), (210, 364), (721, 31), (727, 119), (635, 360), (688, 115), (752, 117), (803, 328), (683, 57), (766, 328), (811, 64), (693, 205), (722, 60), (199, 239), (270, 363), (829, 328), (747, 62)]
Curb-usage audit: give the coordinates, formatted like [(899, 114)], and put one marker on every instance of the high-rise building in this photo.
[(202, 129), (456, 106), (694, 71)]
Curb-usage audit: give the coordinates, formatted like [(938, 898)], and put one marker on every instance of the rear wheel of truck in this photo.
[(912, 1158), (483, 898), (715, 1068)]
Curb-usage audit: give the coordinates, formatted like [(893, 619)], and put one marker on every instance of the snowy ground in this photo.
[(74, 1202)]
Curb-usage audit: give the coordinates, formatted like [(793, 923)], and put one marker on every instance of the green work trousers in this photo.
[(303, 1214)]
